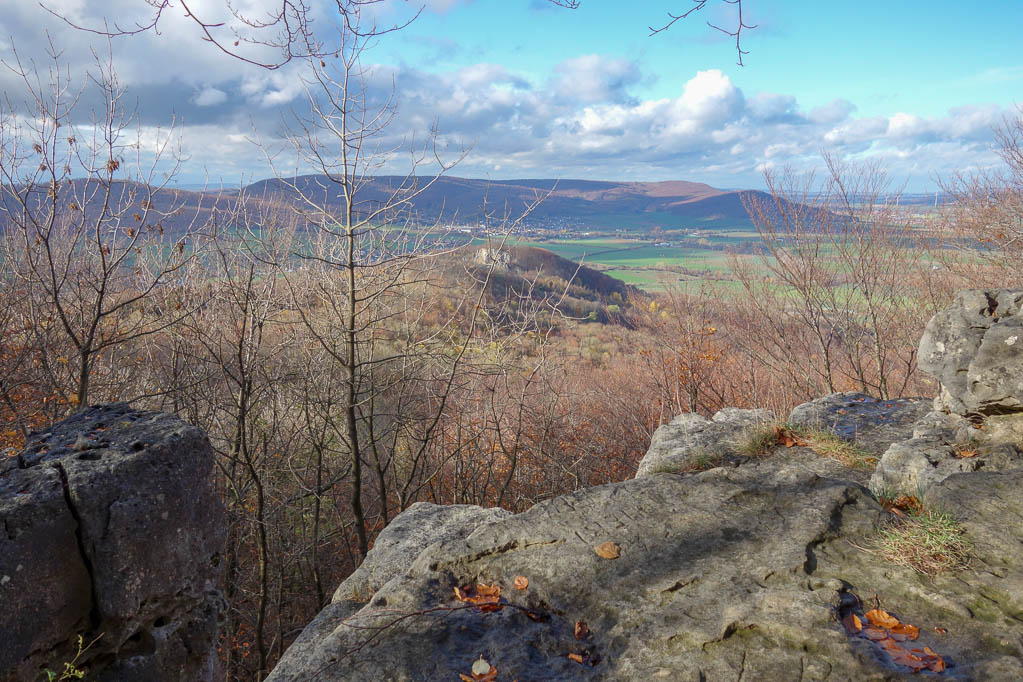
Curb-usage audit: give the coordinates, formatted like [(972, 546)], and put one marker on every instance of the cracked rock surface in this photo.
[(973, 349), (733, 573), (109, 525)]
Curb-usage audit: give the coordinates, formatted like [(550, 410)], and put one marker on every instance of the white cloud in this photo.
[(594, 78), (584, 118), (209, 96)]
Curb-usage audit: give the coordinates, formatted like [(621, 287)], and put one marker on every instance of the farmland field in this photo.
[(644, 263)]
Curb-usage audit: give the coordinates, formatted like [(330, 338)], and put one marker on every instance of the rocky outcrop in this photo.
[(973, 349), (716, 565), (872, 424), (393, 553), (738, 572), (111, 529), (691, 442)]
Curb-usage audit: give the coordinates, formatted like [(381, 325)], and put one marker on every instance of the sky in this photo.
[(532, 90)]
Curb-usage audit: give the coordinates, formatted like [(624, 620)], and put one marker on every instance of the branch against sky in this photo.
[(268, 39), (733, 32), (274, 37)]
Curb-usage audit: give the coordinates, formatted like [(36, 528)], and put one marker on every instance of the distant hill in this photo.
[(518, 272), (565, 203), (578, 203)]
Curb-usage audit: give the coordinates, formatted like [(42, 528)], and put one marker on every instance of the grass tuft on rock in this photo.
[(758, 440), (928, 542), (828, 444)]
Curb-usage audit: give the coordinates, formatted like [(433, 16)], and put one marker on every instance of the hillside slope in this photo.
[(672, 204)]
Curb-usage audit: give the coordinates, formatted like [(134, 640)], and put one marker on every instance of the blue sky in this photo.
[(540, 91)]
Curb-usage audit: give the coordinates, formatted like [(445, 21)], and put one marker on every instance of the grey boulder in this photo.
[(691, 442), (870, 423), (973, 349), (111, 529), (733, 573)]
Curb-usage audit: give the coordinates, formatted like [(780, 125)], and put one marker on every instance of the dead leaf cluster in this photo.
[(486, 598), (887, 632), (789, 438), (902, 505)]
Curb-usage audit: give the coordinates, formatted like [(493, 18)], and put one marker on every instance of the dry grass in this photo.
[(760, 439), (928, 542), (829, 445)]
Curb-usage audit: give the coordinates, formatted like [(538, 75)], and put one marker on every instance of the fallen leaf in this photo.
[(486, 598), (576, 657), (582, 630), (521, 582), (787, 438), (537, 617), (940, 630), (905, 630), (608, 550), (852, 623), (966, 454), (482, 671), (875, 634), (881, 618), (936, 664)]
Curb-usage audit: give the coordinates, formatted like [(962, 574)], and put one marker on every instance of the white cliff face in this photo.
[(486, 256)]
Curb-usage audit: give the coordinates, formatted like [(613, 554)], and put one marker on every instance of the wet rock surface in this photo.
[(111, 529), (872, 424)]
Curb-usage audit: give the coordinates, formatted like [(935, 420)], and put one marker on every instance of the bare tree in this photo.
[(840, 309), (90, 249), (984, 221), (285, 30)]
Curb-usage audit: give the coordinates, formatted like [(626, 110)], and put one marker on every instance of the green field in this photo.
[(642, 263)]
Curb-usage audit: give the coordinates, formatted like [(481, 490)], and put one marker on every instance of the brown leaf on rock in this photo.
[(576, 657), (874, 634), (852, 623), (905, 631), (582, 630), (881, 618), (940, 630), (521, 582), (482, 671), (608, 550), (966, 454), (486, 598)]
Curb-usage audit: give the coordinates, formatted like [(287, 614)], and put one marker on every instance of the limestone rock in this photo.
[(972, 349), (732, 573), (870, 423), (692, 442), (393, 553), (111, 527)]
